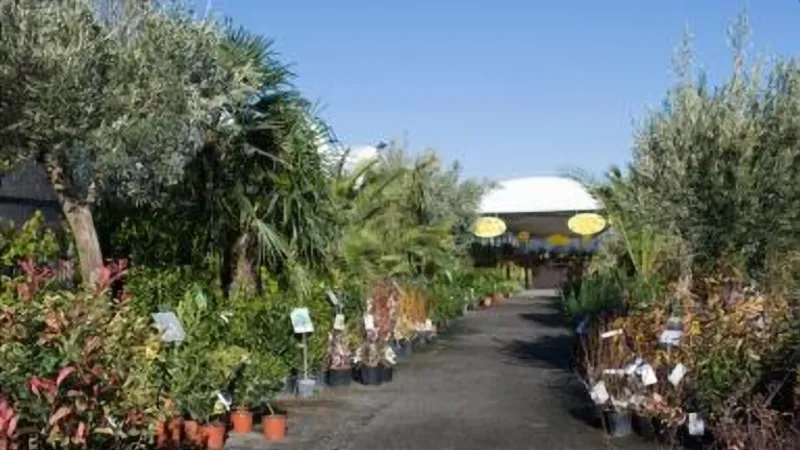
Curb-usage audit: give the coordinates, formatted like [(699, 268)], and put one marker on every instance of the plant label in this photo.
[(600, 393), (301, 321), (338, 322), (612, 333), (648, 375), (677, 374), (696, 425), (332, 297), (581, 329), (369, 322), (223, 399), (169, 326), (671, 337), (633, 367)]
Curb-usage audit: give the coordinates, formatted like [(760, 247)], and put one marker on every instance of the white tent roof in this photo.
[(538, 195)]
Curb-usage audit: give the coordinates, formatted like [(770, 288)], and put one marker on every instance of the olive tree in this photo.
[(109, 101)]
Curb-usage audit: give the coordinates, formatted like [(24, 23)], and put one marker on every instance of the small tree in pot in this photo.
[(369, 359), (339, 368), (257, 382)]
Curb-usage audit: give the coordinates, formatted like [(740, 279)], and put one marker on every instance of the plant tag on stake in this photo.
[(169, 326), (612, 333), (369, 322), (632, 367), (301, 321), (222, 399), (648, 375), (677, 374), (671, 337), (696, 426), (338, 322), (332, 297), (600, 393)]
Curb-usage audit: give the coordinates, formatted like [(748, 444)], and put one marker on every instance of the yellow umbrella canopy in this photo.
[(558, 240), (586, 224), (488, 227)]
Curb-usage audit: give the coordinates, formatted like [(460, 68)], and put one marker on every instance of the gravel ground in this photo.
[(496, 380)]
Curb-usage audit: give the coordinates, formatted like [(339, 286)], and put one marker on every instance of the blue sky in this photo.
[(508, 87)]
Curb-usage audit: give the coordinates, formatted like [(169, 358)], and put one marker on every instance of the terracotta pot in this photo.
[(194, 435), (274, 427), (161, 434), (242, 421), (175, 427), (215, 436)]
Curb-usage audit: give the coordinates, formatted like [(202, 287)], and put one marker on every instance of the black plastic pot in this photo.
[(370, 376), (402, 348), (617, 423), (340, 377), (645, 427), (387, 373)]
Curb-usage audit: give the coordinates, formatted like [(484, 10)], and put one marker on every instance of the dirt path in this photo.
[(498, 380)]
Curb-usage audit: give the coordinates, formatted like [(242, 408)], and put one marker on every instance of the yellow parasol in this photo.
[(586, 224), (488, 227), (558, 240)]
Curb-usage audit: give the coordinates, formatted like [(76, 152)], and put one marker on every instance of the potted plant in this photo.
[(339, 368), (369, 364), (273, 424), (257, 381)]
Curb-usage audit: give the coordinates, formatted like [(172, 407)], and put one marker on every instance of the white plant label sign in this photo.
[(369, 322), (169, 326), (648, 375), (224, 401), (600, 393), (333, 298), (612, 333), (338, 322), (671, 337), (301, 321), (633, 367), (696, 426), (677, 374)]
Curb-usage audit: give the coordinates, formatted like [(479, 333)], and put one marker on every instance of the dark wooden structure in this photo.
[(24, 190)]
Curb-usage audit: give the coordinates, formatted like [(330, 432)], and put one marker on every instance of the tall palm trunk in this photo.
[(244, 278)]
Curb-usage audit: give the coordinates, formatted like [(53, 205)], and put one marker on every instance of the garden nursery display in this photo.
[(200, 216), (219, 251), (686, 320)]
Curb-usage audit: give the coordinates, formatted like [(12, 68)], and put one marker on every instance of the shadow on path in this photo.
[(544, 352)]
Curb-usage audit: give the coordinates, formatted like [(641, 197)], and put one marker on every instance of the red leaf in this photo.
[(64, 373), (33, 383), (80, 434), (12, 426)]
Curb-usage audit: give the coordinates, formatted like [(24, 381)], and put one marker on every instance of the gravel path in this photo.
[(498, 380)]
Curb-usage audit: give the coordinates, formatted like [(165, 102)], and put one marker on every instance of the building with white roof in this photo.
[(540, 206)]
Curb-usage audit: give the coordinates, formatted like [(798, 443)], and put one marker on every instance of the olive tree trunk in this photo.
[(78, 214)]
